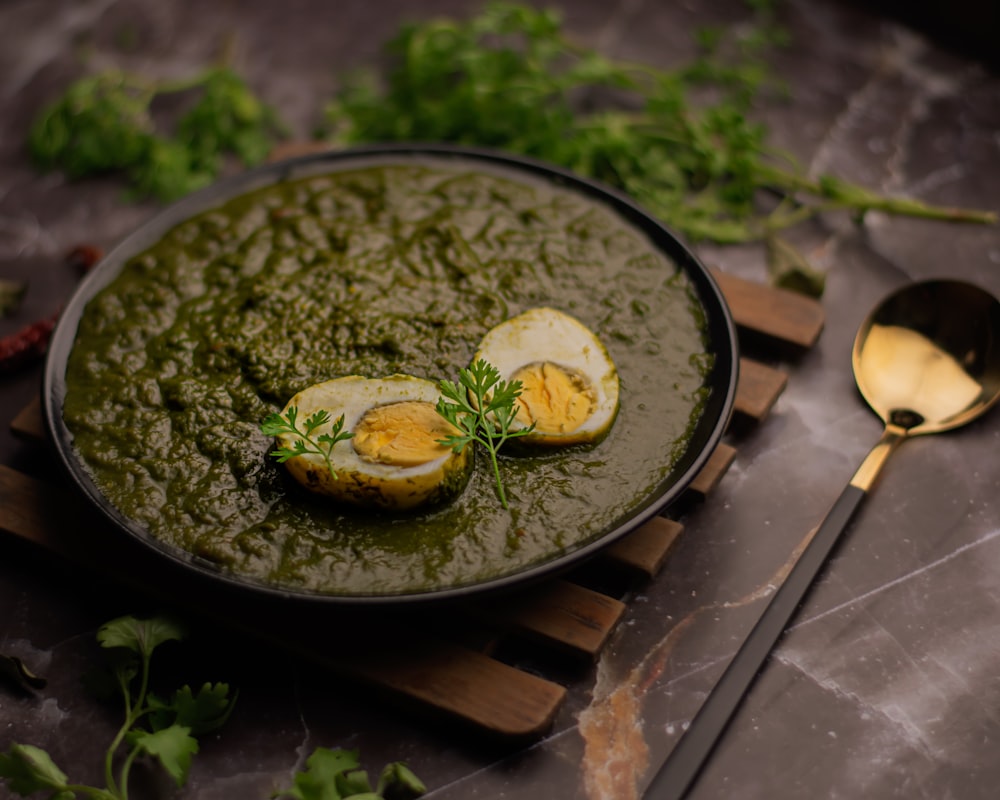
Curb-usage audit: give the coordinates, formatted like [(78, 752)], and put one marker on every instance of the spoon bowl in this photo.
[(926, 360), (929, 356)]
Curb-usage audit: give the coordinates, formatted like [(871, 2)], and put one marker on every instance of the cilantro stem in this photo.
[(134, 710), (167, 734), (279, 425), (680, 141), (492, 445), (483, 408), (90, 791), (840, 194), (127, 770), (183, 84)]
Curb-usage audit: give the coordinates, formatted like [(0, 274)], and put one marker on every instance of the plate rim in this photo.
[(720, 330)]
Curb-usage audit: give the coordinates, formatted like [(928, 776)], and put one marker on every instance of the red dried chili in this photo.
[(84, 256), (30, 343), (27, 344)]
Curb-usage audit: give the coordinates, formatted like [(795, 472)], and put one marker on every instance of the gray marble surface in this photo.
[(887, 685)]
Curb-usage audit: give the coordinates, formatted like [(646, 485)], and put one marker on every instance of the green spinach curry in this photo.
[(375, 270)]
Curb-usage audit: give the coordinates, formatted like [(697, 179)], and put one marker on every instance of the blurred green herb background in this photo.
[(682, 142)]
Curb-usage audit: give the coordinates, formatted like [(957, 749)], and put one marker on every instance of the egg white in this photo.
[(548, 336), (359, 480)]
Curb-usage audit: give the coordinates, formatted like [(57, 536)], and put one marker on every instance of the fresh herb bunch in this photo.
[(482, 407), (336, 775), (162, 728), (104, 124), (679, 141), (277, 424), (166, 729)]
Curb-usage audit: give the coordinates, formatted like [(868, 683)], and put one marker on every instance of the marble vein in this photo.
[(900, 62), (909, 576), (304, 748), (617, 755), (40, 43)]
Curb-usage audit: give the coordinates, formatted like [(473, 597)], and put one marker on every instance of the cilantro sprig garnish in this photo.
[(160, 728), (483, 408), (305, 442)]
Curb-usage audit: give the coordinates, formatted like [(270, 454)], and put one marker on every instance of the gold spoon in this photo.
[(926, 360)]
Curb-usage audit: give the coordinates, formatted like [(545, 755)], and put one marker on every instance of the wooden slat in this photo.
[(780, 314), (559, 614), (27, 511), (758, 389), (424, 668), (28, 424), (645, 549), (444, 673), (464, 684), (710, 475)]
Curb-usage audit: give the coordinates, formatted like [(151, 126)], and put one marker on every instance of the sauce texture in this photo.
[(373, 271)]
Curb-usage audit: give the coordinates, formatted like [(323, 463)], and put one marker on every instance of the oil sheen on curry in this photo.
[(356, 293)]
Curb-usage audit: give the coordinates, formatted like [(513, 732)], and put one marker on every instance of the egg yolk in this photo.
[(403, 434), (557, 400)]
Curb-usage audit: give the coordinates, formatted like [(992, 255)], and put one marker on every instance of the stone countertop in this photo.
[(888, 682)]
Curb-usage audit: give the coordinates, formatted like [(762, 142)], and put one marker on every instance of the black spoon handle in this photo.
[(684, 763)]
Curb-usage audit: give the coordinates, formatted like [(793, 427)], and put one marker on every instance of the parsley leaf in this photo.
[(483, 408), (337, 775), (30, 769), (228, 117), (141, 636), (173, 747), (103, 124), (679, 141), (306, 442), (164, 730), (399, 778), (201, 712)]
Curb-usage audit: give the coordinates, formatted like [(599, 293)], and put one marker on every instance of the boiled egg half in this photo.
[(394, 458), (569, 382)]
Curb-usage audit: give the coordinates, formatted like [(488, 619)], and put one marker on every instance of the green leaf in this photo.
[(202, 711), (789, 269), (481, 405), (228, 117), (140, 636), (319, 780), (173, 747), (681, 141), (353, 783), (322, 445), (130, 642), (399, 779), (103, 124), (30, 769), (167, 171)]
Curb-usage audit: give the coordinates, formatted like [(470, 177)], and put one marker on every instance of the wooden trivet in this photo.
[(453, 668)]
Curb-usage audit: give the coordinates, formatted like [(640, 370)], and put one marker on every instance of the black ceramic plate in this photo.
[(701, 438)]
